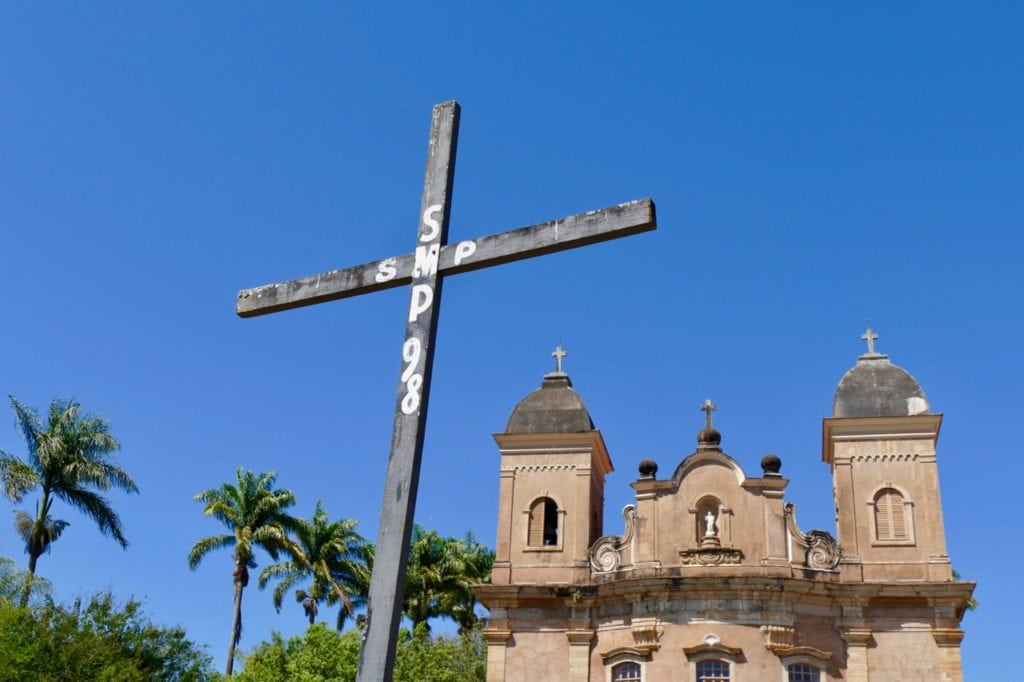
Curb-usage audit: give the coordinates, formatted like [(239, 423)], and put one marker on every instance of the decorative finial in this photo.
[(558, 355), (870, 336), (707, 408)]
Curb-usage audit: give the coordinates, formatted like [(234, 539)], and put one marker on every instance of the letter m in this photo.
[(426, 260)]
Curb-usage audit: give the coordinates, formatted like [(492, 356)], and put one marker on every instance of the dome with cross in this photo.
[(553, 408), (875, 387)]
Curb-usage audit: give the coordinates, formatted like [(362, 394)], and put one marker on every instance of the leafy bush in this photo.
[(324, 654), (102, 640)]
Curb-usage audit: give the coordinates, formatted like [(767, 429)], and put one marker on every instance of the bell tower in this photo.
[(881, 445), (551, 497)]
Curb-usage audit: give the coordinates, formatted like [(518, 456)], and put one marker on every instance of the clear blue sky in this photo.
[(812, 166)]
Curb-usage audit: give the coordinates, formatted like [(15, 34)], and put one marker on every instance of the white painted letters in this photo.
[(411, 351), (422, 298), (431, 222), (426, 260), (464, 250), (386, 270)]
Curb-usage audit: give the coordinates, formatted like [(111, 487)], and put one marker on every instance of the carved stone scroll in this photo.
[(606, 552), (710, 556), (821, 551)]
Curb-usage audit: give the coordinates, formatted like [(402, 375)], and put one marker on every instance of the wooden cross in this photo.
[(559, 355), (870, 337), (707, 408), (425, 269)]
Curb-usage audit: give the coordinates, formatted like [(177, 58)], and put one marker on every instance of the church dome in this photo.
[(553, 408), (875, 387)]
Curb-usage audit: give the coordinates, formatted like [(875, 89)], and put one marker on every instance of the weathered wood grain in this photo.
[(391, 553), (577, 230)]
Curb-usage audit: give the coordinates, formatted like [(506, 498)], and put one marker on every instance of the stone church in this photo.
[(711, 578)]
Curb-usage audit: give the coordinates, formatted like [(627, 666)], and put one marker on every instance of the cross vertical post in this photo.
[(384, 607), (707, 408)]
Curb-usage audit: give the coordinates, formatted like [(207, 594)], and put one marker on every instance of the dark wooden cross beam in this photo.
[(425, 269)]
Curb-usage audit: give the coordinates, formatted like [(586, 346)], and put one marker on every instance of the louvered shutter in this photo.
[(899, 517), (890, 516), (535, 535), (883, 526)]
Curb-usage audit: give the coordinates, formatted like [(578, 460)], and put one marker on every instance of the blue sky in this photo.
[(812, 167)]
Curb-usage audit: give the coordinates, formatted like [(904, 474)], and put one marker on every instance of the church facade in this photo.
[(711, 578)]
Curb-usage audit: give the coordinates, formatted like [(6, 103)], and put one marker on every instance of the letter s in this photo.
[(428, 220)]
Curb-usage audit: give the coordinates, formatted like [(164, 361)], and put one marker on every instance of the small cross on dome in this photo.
[(707, 408), (870, 336), (558, 355)]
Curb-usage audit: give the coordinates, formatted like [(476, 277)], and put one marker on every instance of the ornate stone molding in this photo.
[(622, 651), (857, 637), (712, 645), (577, 637), (821, 551), (710, 556), (496, 636), (947, 637), (531, 468), (810, 651), (778, 637), (646, 636), (904, 457), (606, 552)]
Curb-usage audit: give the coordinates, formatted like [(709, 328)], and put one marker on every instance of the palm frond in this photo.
[(207, 545), (97, 508), (16, 477)]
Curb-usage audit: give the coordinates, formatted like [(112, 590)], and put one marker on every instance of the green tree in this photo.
[(318, 655), (15, 582), (333, 557), (255, 514), (100, 640), (321, 654), (69, 458), (440, 575), (471, 561)]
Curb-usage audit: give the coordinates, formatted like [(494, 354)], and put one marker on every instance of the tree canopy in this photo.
[(99, 639), (333, 557), (254, 511), (69, 458), (322, 654)]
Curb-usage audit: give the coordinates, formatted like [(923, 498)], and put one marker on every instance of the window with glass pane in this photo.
[(801, 672), (624, 672), (713, 671)]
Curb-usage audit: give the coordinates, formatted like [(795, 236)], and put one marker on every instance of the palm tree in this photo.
[(68, 458), (440, 576), (472, 562), (427, 575), (333, 556), (254, 513)]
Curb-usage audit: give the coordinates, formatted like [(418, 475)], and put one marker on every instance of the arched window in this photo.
[(803, 672), (543, 528), (890, 516), (626, 672), (713, 670)]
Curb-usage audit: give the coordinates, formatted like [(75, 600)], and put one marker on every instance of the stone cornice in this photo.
[(496, 636), (642, 653), (838, 429), (579, 636), (947, 637), (512, 444), (765, 588)]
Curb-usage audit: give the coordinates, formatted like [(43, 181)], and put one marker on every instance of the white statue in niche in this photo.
[(709, 525)]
